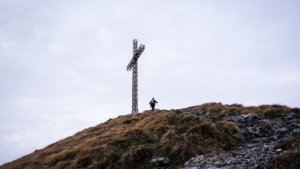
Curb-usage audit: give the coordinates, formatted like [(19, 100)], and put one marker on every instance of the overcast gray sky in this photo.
[(63, 62)]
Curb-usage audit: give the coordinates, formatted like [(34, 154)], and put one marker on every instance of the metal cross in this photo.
[(133, 64)]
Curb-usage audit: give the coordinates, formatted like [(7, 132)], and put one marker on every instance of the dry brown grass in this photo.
[(216, 111), (130, 141)]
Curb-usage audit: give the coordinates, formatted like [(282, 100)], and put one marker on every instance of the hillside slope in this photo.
[(197, 136)]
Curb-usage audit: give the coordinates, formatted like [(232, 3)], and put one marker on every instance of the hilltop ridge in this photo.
[(210, 135)]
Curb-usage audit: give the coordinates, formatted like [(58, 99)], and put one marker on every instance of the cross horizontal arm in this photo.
[(135, 57)]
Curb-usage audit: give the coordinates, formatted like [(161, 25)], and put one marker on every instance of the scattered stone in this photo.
[(199, 158), (296, 131), (290, 115), (160, 162), (282, 130)]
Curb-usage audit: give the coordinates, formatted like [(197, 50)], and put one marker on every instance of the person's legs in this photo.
[(152, 106)]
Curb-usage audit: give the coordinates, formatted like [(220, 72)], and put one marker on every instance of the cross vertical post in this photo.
[(133, 64), (135, 89)]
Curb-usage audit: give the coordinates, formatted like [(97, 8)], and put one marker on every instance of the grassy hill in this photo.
[(131, 141)]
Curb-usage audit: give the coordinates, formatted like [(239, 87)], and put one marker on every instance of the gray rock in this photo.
[(290, 115), (160, 161), (296, 131), (199, 158), (282, 130)]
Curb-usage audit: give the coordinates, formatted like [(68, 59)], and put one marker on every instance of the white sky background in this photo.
[(63, 62)]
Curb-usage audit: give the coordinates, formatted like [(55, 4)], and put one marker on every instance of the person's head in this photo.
[(152, 98)]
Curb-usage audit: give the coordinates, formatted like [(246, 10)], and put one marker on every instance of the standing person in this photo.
[(152, 103)]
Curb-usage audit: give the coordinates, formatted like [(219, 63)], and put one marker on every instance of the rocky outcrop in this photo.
[(261, 133)]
